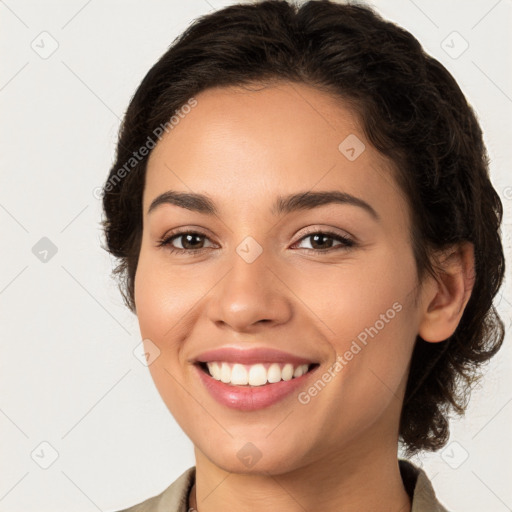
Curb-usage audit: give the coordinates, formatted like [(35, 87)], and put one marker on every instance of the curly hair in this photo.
[(412, 111)]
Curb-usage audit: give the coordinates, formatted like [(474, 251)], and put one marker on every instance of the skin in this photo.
[(244, 148)]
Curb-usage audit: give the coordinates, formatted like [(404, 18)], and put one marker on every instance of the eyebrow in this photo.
[(307, 200)]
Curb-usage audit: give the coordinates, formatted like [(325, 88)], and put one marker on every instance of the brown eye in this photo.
[(323, 241), (188, 240)]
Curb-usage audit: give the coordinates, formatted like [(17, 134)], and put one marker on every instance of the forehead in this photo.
[(245, 146)]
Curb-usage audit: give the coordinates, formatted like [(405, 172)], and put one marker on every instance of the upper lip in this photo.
[(250, 356)]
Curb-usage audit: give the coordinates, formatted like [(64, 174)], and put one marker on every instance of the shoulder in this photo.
[(419, 488), (173, 499)]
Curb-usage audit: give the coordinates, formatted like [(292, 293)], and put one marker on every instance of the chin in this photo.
[(254, 457)]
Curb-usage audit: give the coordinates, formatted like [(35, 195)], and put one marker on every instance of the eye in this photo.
[(322, 241), (190, 242)]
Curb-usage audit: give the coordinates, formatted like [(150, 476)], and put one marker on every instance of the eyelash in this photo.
[(346, 242)]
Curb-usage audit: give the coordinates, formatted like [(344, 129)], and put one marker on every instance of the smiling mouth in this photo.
[(253, 375)]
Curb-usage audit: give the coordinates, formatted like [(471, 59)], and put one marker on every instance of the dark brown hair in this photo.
[(412, 111)]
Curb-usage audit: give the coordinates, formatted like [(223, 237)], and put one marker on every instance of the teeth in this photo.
[(255, 374), (287, 373), (239, 375), (274, 373), (299, 371)]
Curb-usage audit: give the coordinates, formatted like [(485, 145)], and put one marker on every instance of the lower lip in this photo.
[(250, 398)]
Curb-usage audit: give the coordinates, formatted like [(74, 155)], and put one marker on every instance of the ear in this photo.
[(446, 296)]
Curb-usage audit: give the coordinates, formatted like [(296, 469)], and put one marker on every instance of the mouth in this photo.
[(249, 379), (254, 375)]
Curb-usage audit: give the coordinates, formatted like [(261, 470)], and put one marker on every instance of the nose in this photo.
[(250, 296)]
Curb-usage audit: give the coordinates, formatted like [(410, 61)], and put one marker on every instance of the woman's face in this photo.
[(259, 274)]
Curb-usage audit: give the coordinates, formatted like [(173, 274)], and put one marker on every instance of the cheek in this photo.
[(366, 310), (372, 289), (371, 337), (164, 300), (165, 303)]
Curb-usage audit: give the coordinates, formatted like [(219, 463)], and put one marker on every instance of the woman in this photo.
[(309, 238)]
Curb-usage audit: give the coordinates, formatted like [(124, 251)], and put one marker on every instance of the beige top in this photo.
[(175, 497)]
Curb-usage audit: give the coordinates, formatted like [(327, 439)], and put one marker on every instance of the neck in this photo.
[(368, 480)]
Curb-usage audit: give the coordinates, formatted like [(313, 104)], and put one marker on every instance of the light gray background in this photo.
[(68, 376)]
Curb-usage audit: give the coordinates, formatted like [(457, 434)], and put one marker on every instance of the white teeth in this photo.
[(225, 373), (215, 370), (299, 371), (257, 375), (274, 373), (239, 375), (254, 375), (287, 372)]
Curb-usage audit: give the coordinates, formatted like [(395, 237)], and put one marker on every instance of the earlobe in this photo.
[(446, 297)]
